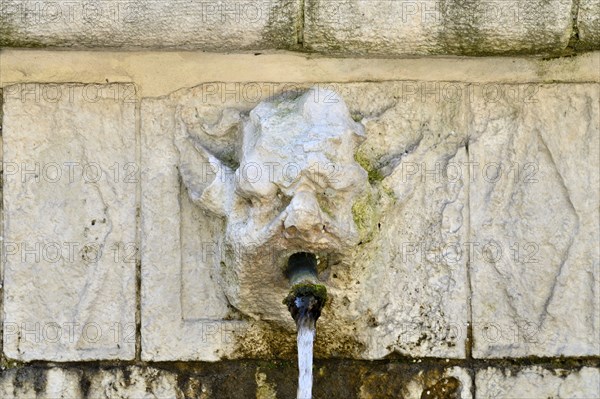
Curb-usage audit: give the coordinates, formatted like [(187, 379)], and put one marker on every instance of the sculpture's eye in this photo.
[(329, 192)]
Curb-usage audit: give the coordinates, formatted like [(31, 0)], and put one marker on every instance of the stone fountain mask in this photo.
[(290, 186)]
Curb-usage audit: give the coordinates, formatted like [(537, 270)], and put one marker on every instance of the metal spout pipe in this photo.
[(306, 297), (302, 267)]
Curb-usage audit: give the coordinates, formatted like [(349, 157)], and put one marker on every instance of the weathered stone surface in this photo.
[(382, 27), (114, 383), (293, 189), (133, 382), (451, 383), (588, 24), (534, 211), (69, 245), (382, 301), (39, 382), (537, 382), (408, 282), (225, 25), (240, 380), (389, 27), (183, 309)]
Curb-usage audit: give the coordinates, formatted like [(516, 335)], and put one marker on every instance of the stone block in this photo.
[(533, 201), (69, 249), (184, 311), (588, 24), (205, 25), (538, 382), (472, 27)]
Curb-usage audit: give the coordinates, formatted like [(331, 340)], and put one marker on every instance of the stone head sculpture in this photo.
[(289, 187)]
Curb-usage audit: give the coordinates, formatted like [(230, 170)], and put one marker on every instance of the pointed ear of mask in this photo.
[(208, 180)]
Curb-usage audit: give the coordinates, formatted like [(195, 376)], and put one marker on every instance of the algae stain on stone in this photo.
[(374, 175), (264, 389), (7, 364), (10, 37), (446, 388), (365, 215), (265, 340)]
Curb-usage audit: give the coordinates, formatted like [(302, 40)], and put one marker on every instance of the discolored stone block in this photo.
[(204, 25), (538, 382), (588, 24)]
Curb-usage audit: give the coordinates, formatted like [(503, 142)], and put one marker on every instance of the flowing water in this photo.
[(306, 325), (305, 340)]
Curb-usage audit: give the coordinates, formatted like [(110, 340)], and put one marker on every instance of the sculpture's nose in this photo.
[(303, 214)]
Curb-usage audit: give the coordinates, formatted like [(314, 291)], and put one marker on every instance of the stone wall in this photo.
[(477, 275), (343, 27)]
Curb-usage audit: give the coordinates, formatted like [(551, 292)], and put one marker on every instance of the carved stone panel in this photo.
[(69, 249), (534, 222), (237, 177)]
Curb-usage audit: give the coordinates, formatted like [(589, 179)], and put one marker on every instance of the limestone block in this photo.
[(133, 382), (382, 300), (534, 209), (473, 27), (537, 382), (114, 383), (236, 379), (225, 25), (409, 282), (70, 178), (588, 24), (451, 382), (183, 310)]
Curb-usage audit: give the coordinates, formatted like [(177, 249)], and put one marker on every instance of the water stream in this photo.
[(305, 340), (305, 302)]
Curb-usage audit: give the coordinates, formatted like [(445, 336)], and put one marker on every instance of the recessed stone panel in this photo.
[(184, 311)]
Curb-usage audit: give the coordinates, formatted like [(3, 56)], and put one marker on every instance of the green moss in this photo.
[(10, 364), (365, 214), (356, 117), (373, 173), (325, 208), (307, 289)]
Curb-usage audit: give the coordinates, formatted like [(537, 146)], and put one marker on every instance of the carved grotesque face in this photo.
[(295, 184)]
